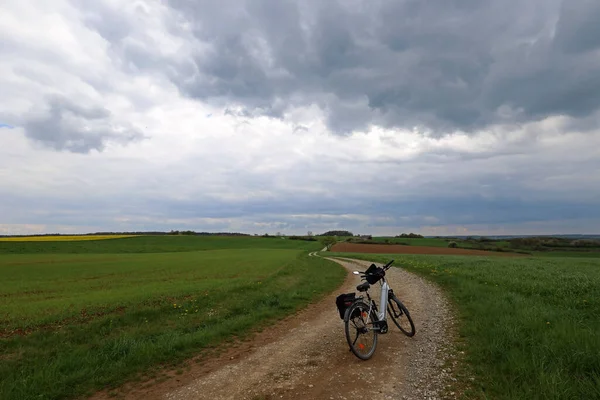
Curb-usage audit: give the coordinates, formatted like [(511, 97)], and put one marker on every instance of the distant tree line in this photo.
[(548, 243), (528, 243), (307, 238), (337, 233), (208, 233), (146, 233), (174, 232), (410, 235)]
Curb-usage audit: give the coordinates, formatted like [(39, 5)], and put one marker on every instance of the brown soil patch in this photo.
[(400, 249)]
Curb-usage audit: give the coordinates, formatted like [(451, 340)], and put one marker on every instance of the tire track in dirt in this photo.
[(309, 357)]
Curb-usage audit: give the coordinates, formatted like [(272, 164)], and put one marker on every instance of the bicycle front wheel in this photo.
[(360, 331), (401, 316)]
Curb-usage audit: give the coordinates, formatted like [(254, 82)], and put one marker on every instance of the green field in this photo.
[(154, 244), (436, 242), (77, 317), (544, 246), (431, 242), (567, 254), (529, 326), (58, 238)]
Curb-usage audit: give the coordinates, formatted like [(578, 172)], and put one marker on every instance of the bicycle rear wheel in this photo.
[(360, 332), (401, 316)]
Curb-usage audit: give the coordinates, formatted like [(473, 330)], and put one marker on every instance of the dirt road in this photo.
[(306, 356)]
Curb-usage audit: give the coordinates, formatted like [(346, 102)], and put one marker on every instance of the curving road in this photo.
[(306, 356)]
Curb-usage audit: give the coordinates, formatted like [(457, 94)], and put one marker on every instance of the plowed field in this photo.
[(400, 249)]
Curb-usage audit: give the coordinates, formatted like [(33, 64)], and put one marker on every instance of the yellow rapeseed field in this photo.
[(62, 238)]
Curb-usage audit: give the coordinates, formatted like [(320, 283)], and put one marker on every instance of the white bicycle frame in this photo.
[(385, 288), (383, 300)]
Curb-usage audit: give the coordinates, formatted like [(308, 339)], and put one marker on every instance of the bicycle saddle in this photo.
[(363, 287)]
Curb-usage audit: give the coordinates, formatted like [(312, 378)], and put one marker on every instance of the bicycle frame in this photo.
[(382, 315), (385, 288), (383, 299)]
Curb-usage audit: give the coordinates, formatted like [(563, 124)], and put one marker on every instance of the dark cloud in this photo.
[(578, 30), (64, 125), (105, 19), (442, 64)]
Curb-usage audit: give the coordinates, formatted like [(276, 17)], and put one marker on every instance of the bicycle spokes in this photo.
[(396, 313), (360, 331), (401, 317)]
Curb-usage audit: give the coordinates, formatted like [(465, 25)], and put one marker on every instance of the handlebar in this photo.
[(363, 274)]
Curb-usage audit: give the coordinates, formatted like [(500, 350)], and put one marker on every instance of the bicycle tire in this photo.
[(399, 314), (358, 323)]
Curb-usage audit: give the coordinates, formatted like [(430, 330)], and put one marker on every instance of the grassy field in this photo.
[(413, 241), (435, 242), (495, 245), (503, 244), (71, 324), (529, 325), (154, 244), (60, 238), (567, 254)]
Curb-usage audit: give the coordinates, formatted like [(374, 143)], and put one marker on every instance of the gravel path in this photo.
[(307, 357)]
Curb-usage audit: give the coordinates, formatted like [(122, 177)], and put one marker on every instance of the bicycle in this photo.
[(362, 319)]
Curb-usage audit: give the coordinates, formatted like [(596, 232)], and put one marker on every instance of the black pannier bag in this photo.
[(374, 274), (343, 301)]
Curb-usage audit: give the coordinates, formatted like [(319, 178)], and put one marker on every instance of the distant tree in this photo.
[(337, 233), (307, 238), (452, 245), (328, 241), (585, 243), (411, 235), (309, 233)]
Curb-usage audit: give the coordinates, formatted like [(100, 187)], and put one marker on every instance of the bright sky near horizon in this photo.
[(263, 116)]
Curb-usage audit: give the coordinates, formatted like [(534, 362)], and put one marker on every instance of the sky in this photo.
[(441, 117)]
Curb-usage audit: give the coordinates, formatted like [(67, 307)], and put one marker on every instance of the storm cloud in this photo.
[(380, 116), (67, 126), (441, 65)]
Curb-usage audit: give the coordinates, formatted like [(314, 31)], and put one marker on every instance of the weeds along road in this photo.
[(306, 356)]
